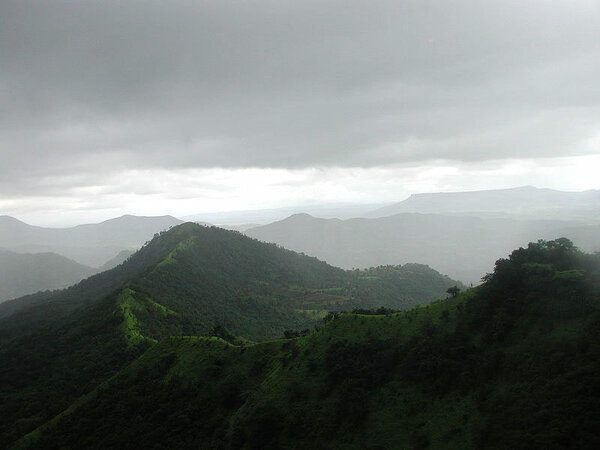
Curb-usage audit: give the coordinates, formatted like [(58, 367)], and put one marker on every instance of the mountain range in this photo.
[(475, 228), (190, 280), (242, 220), (463, 247), (512, 363), (22, 274), (526, 202), (89, 244)]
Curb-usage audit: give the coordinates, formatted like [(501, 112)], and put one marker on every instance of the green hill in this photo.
[(513, 364), (191, 280)]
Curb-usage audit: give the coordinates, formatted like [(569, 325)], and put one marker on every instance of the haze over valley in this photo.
[(475, 228)]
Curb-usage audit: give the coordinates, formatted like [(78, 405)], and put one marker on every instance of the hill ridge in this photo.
[(499, 366), (190, 280)]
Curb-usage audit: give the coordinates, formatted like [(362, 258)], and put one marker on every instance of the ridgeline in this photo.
[(510, 364), (57, 348)]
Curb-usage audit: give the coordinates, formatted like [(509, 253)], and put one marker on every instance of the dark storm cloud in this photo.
[(103, 86)]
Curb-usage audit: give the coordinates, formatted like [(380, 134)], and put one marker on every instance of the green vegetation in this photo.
[(511, 364), (58, 347)]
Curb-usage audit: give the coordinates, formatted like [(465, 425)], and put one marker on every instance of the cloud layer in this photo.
[(91, 89)]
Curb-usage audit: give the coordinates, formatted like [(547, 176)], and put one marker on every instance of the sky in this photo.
[(185, 107)]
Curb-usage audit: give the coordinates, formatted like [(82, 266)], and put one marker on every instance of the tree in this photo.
[(453, 291)]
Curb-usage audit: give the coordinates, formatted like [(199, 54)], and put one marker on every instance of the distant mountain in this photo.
[(190, 280), (192, 266), (463, 247), (22, 274), (90, 244), (512, 364), (526, 202), (120, 258), (240, 219)]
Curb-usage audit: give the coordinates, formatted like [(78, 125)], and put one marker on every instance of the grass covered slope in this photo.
[(510, 364), (58, 346), (317, 392)]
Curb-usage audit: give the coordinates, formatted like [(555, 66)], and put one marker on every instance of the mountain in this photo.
[(89, 244), (190, 280), (22, 274), (513, 364), (240, 219), (463, 247), (120, 258), (526, 202)]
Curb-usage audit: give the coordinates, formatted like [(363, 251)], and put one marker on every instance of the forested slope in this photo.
[(510, 364), (191, 280)]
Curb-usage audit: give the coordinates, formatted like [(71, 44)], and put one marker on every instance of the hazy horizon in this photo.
[(235, 217), (183, 108)]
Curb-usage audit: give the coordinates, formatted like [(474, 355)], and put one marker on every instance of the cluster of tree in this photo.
[(213, 282), (512, 364), (291, 334), (202, 276), (453, 291), (397, 286), (381, 311), (44, 372)]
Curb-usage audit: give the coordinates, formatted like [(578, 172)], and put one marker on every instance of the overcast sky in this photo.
[(182, 107)]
